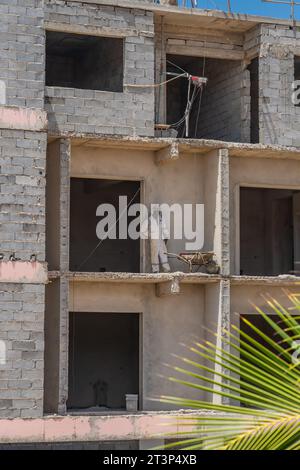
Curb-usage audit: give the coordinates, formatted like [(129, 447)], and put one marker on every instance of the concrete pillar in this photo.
[(216, 230), (57, 304), (217, 309)]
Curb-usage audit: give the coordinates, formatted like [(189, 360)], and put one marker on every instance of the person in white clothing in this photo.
[(158, 234)]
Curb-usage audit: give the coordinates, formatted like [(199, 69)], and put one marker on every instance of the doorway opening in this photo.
[(103, 360), (88, 252), (269, 231)]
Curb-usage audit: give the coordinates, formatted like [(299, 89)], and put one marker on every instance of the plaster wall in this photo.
[(182, 182), (275, 173), (166, 324), (243, 297)]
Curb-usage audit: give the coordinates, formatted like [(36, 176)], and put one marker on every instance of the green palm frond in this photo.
[(257, 380)]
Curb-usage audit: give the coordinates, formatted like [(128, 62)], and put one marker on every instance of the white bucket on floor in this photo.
[(132, 402)]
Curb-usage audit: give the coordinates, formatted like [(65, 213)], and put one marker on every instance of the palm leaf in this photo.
[(258, 377)]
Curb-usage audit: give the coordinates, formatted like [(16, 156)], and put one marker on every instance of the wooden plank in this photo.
[(206, 52)]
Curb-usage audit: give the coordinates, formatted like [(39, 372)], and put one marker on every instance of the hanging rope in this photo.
[(155, 85)]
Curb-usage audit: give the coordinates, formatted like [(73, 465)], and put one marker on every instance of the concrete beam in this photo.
[(91, 30), (284, 280), (13, 117), (24, 272), (213, 53), (94, 428), (168, 288), (167, 154), (197, 147), (136, 278)]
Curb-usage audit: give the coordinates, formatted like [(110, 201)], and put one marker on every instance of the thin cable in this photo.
[(177, 66), (113, 226), (201, 94), (198, 113), (155, 85), (182, 119)]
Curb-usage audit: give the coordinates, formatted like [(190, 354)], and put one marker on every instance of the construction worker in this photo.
[(158, 235)]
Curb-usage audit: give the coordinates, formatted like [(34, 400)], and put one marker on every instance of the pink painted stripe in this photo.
[(23, 271)]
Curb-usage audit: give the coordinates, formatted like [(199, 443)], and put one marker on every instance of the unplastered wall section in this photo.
[(130, 112), (22, 332), (22, 206), (278, 117), (22, 190), (225, 110), (22, 53), (22, 231)]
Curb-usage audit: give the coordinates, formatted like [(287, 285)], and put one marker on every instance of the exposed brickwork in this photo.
[(22, 58), (22, 329), (130, 112), (276, 46), (278, 117), (22, 208), (22, 190), (223, 113)]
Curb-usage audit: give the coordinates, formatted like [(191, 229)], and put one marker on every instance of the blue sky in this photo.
[(254, 7)]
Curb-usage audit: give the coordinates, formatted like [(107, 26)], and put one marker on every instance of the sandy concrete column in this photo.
[(65, 158), (216, 229), (57, 298), (217, 310)]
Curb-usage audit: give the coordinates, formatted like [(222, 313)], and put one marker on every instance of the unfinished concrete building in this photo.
[(86, 116)]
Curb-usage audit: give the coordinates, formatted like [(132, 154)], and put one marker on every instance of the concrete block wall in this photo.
[(276, 46), (225, 110), (22, 330), (279, 118), (128, 113), (22, 57), (22, 190), (22, 205)]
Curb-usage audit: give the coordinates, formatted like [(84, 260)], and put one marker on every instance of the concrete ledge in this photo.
[(95, 428), (135, 278), (228, 21), (171, 281), (24, 272), (185, 146), (27, 119), (283, 280), (92, 30)]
